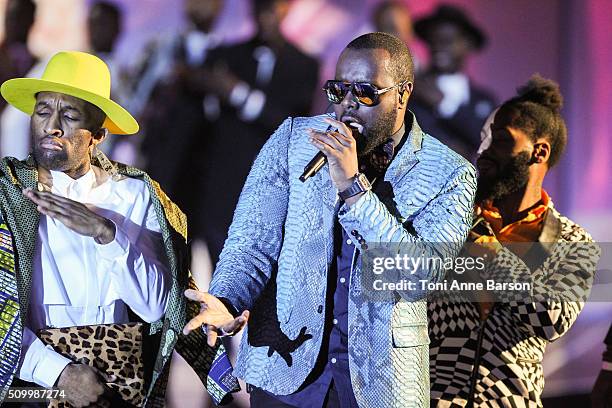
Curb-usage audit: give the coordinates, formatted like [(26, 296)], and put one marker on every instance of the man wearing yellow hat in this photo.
[(86, 242)]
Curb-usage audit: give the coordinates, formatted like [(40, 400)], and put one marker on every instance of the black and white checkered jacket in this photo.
[(498, 362)]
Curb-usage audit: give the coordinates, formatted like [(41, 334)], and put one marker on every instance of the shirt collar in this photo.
[(397, 136), (490, 212), (67, 186)]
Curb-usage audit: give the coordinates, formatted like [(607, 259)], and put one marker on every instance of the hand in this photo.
[(215, 316), (340, 148), (601, 396), (481, 240), (84, 385), (73, 214)]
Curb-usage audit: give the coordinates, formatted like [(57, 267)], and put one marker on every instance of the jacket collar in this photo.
[(406, 158)]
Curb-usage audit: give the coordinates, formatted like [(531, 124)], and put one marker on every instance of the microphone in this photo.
[(319, 160), (313, 166)]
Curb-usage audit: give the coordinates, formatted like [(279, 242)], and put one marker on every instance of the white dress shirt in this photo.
[(455, 89), (78, 282)]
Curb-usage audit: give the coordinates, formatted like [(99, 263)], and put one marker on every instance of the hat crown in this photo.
[(79, 70)]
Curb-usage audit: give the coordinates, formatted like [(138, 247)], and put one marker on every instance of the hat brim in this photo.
[(21, 93), (424, 25)]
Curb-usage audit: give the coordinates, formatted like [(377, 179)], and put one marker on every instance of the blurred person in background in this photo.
[(15, 57), (446, 101), (175, 115), (393, 17), (15, 61), (489, 352), (601, 396), (258, 84)]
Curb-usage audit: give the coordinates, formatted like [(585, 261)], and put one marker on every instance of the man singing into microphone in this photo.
[(292, 261)]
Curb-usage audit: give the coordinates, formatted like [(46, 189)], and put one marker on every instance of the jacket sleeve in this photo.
[(255, 237), (437, 231), (556, 296)]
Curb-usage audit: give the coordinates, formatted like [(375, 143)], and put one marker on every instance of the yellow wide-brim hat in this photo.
[(77, 74)]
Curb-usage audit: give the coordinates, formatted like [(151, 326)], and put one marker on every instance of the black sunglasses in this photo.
[(366, 93)]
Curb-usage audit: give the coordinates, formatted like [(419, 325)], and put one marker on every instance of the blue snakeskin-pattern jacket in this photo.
[(280, 247)]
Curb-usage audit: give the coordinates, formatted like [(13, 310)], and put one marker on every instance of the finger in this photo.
[(237, 324), (50, 205), (341, 126), (39, 196), (109, 378), (49, 196), (196, 295), (212, 336), (323, 147), (63, 205), (31, 194), (193, 324), (330, 145), (331, 139), (53, 214)]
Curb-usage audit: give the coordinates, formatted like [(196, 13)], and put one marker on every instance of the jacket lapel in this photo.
[(406, 158)]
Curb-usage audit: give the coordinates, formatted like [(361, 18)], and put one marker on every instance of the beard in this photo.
[(507, 180), (50, 160), (377, 134)]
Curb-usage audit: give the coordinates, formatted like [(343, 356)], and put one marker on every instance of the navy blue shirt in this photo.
[(333, 364)]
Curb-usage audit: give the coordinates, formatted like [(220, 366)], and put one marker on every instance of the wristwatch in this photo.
[(360, 185)]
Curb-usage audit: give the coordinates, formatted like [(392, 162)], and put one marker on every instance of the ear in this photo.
[(98, 136), (404, 94), (541, 151)]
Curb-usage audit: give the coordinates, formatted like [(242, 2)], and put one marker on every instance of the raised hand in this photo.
[(218, 320), (340, 148), (73, 215)]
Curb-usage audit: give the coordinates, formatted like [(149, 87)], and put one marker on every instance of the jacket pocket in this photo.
[(410, 336)]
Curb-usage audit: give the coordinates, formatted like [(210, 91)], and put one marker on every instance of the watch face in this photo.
[(363, 180)]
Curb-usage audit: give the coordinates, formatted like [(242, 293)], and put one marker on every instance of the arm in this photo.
[(439, 229), (255, 236), (558, 296), (39, 364), (134, 258)]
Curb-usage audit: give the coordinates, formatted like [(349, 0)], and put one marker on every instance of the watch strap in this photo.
[(360, 185)]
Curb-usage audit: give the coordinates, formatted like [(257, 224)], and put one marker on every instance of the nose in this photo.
[(349, 102), (53, 127)]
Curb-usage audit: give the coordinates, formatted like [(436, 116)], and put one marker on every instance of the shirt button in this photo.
[(349, 242), (333, 360), (335, 321), (342, 280), (354, 233), (320, 309)]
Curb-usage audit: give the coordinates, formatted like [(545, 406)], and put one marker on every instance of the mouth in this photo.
[(51, 144), (353, 122)]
